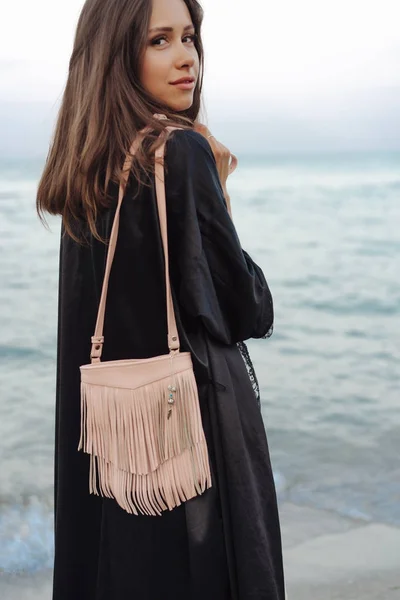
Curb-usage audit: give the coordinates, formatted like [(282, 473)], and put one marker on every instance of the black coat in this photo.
[(225, 544)]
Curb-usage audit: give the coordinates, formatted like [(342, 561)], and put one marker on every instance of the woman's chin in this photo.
[(181, 104)]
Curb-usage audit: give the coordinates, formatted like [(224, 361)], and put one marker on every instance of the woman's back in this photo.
[(220, 297)]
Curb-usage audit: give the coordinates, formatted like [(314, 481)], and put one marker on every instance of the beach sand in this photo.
[(327, 557)]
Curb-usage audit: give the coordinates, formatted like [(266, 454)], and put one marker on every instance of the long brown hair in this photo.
[(103, 107)]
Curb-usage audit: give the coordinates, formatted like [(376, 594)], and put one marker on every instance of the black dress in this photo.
[(225, 544)]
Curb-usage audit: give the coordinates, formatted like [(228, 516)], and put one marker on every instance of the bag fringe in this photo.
[(144, 460), (178, 479)]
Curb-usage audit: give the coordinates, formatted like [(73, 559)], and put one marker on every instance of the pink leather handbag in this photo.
[(140, 418)]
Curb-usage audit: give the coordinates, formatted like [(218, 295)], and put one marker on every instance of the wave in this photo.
[(21, 352), (26, 533), (348, 306)]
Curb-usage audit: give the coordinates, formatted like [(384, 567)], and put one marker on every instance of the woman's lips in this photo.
[(184, 86)]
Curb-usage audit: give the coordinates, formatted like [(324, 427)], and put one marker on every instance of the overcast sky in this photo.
[(321, 74)]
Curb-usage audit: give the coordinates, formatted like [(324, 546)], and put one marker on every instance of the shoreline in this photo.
[(326, 557)]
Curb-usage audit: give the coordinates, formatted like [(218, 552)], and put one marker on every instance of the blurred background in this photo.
[(307, 95)]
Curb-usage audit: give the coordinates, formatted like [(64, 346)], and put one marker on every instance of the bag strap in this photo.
[(173, 337)]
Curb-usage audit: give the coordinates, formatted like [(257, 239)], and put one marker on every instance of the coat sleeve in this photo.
[(214, 278)]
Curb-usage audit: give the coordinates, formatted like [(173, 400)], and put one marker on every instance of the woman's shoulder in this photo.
[(188, 154), (189, 141)]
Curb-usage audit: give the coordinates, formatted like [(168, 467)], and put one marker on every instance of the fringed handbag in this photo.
[(140, 418)]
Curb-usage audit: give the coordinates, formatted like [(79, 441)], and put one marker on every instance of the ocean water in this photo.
[(325, 229)]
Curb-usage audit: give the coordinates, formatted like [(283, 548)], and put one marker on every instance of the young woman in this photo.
[(225, 543)]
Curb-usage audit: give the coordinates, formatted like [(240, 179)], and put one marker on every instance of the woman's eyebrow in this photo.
[(158, 29)]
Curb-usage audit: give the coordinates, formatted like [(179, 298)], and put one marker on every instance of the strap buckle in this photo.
[(97, 346), (173, 343)]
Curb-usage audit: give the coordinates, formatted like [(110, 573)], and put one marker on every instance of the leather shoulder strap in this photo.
[(173, 337)]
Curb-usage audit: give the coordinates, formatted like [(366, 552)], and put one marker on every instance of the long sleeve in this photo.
[(216, 280)]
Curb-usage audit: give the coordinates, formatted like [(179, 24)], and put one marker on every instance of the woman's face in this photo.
[(170, 55)]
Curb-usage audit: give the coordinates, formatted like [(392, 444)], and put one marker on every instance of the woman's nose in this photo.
[(185, 57)]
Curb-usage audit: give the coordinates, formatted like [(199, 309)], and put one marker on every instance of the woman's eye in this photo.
[(191, 37), (154, 42)]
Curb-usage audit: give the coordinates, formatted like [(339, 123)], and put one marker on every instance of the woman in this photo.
[(225, 543)]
